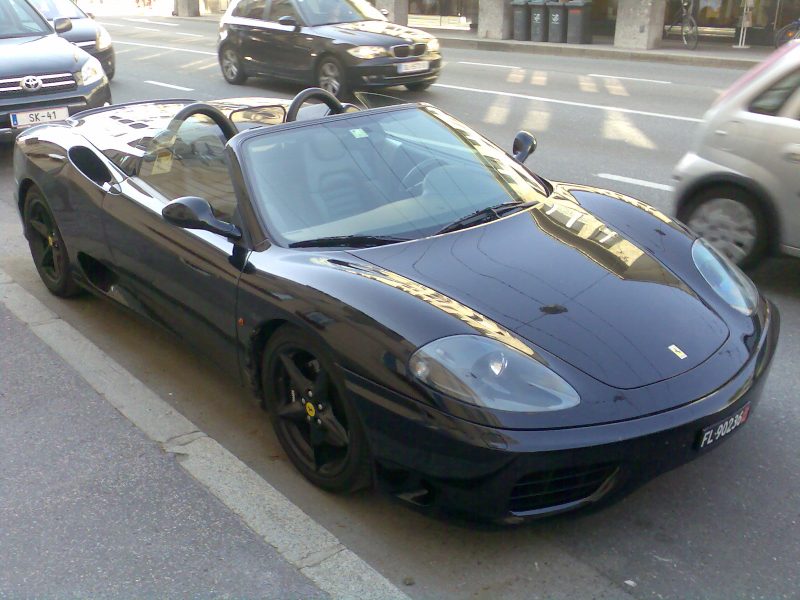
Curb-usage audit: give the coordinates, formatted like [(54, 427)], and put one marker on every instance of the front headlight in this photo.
[(91, 72), (103, 38), (433, 45), (725, 278), (367, 52), (485, 372)]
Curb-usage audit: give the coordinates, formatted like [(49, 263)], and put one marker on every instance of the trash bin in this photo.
[(538, 20), (557, 22), (522, 19), (579, 14)]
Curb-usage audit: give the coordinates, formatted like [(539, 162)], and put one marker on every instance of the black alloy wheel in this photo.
[(315, 423), (231, 66), (47, 246), (420, 86), (331, 77)]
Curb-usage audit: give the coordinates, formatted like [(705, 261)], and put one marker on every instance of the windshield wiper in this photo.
[(348, 241), (484, 215)]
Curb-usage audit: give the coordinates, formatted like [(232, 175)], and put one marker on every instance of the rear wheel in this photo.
[(315, 422), (331, 77), (419, 86), (787, 34), (732, 220), (47, 246), (231, 66)]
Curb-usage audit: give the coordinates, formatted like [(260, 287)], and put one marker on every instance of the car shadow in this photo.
[(778, 275)]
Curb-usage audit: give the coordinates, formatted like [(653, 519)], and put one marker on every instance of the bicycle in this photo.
[(689, 32), (788, 33)]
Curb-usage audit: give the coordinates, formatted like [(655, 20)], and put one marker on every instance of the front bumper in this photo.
[(381, 73), (84, 97), (435, 460)]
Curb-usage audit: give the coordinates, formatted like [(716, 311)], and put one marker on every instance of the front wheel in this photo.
[(787, 34), (314, 420), (420, 86), (231, 66), (47, 246), (689, 33), (731, 220), (331, 77)]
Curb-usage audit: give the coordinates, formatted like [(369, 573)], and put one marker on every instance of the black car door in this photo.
[(286, 49), (183, 279)]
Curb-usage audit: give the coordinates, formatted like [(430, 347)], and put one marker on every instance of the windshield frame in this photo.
[(238, 145), (77, 11), (362, 7), (46, 28)]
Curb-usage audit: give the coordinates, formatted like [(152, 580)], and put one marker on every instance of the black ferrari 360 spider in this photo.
[(414, 307)]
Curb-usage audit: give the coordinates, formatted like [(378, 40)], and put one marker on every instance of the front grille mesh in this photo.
[(59, 82), (406, 50), (547, 489)]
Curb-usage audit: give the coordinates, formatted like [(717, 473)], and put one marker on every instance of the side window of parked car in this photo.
[(282, 8), (250, 9), (194, 164), (771, 101)]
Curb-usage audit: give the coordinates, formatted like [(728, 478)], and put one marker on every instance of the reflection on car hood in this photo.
[(40, 55), (378, 33), (562, 279)]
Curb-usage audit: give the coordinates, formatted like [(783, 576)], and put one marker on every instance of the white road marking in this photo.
[(628, 78), (107, 24), (632, 181), (171, 86), (204, 52), (147, 29), (188, 34), (477, 64), (630, 111), (153, 22)]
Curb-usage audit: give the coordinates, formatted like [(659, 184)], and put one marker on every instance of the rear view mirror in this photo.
[(524, 146), (288, 21), (62, 25), (191, 212)]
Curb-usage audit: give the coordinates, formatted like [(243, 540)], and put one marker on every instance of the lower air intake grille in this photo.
[(547, 489)]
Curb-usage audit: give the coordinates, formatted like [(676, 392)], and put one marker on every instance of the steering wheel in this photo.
[(417, 173), (200, 108), (329, 99)]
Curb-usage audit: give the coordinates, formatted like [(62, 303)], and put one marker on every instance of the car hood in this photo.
[(40, 55), (83, 30), (560, 278), (375, 33)]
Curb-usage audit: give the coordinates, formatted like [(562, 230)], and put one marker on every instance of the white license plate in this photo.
[(712, 434), (414, 67), (34, 117)]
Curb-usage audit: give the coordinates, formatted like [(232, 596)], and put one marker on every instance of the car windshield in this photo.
[(325, 12), (53, 9), (18, 19), (396, 173)]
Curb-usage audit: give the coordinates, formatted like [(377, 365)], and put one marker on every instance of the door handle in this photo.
[(194, 267)]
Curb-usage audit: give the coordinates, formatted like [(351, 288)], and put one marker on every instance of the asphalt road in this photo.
[(724, 526)]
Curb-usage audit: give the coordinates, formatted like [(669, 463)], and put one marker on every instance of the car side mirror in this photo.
[(62, 25), (289, 21), (191, 212), (384, 12), (524, 146)]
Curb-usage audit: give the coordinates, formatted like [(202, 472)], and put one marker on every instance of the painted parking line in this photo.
[(173, 48), (629, 78), (477, 64), (170, 86), (107, 24), (188, 34), (633, 181), (629, 111), (147, 29), (152, 22)]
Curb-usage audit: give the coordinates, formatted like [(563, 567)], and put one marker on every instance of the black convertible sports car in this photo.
[(413, 305)]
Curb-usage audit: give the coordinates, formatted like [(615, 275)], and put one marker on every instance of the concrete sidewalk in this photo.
[(106, 491)]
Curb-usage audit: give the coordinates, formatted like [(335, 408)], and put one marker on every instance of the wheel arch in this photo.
[(753, 188), (24, 187)]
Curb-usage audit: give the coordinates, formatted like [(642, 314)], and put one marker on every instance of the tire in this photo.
[(689, 33), (332, 78), (732, 220), (110, 73), (231, 65), (47, 247), (786, 34), (316, 424), (420, 86)]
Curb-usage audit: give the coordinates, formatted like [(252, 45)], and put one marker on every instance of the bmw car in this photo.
[(42, 76), (85, 33), (338, 45), (416, 309)]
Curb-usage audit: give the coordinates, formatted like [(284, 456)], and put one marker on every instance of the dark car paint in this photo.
[(268, 48), (219, 296), (84, 35)]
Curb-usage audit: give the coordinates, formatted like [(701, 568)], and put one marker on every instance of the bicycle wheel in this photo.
[(689, 33), (787, 34)]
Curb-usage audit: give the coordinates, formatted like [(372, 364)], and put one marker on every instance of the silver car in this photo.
[(739, 186)]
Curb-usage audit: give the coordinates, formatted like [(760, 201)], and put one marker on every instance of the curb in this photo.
[(303, 542)]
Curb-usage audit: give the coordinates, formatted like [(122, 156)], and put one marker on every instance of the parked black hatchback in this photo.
[(338, 45)]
